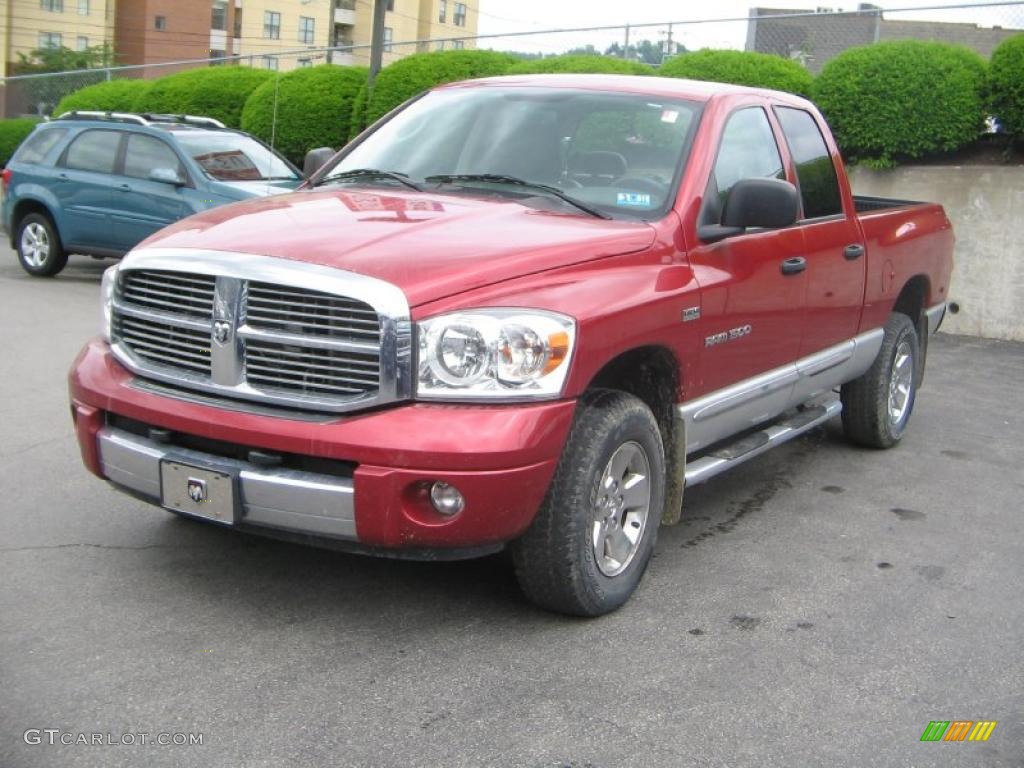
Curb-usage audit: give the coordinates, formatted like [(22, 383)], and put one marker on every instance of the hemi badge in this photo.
[(692, 313)]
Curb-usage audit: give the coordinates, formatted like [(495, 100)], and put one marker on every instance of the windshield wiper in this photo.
[(371, 173), (498, 178)]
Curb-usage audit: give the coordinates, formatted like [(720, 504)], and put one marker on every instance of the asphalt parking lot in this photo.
[(817, 607)]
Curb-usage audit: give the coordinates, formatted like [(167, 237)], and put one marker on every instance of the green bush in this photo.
[(758, 70), (903, 99), (581, 63), (218, 92), (314, 109), (12, 133), (414, 74), (1006, 85), (111, 96)]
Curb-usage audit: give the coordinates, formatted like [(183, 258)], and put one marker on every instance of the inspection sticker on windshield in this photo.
[(669, 116), (634, 199)]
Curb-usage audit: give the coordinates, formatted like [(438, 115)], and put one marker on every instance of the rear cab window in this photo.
[(815, 171), (37, 146)]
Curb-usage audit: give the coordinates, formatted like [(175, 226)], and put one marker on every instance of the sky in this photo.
[(503, 16)]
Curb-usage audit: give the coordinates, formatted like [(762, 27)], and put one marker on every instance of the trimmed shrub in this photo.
[(583, 64), (758, 70), (414, 74), (314, 109), (218, 92), (12, 133), (112, 96), (903, 99), (1006, 85)]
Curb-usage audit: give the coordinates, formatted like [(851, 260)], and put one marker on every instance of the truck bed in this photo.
[(868, 204)]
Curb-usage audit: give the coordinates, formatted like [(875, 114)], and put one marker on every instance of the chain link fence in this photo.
[(809, 37)]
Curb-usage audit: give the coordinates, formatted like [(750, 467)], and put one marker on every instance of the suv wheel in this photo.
[(39, 248)]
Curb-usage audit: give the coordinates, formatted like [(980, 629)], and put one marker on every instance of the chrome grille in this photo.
[(310, 313), (165, 343), (164, 291), (310, 370), (258, 340)]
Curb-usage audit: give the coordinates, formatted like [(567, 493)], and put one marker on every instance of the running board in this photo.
[(732, 454)]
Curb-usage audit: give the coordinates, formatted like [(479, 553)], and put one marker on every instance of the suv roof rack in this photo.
[(193, 119), (145, 118)]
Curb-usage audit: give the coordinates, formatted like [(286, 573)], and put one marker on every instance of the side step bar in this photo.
[(732, 454)]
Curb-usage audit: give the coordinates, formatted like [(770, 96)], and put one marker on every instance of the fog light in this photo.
[(447, 499)]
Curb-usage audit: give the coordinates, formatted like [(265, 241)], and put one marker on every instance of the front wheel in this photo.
[(39, 247), (591, 541), (877, 406)]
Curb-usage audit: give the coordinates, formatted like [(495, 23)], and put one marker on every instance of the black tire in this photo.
[(555, 560), (868, 419), (35, 232)]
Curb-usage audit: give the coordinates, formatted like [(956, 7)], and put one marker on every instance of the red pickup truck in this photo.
[(522, 312)]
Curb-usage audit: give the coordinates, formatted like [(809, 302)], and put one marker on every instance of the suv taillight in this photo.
[(5, 179)]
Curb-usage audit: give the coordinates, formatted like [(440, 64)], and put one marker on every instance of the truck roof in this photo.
[(692, 90)]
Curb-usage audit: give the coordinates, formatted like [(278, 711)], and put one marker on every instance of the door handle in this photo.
[(853, 252), (794, 266), (124, 187), (62, 177)]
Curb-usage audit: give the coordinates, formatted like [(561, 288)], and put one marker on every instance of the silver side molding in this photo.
[(715, 416)]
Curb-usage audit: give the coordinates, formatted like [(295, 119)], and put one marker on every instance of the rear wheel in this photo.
[(39, 248), (877, 406), (588, 547)]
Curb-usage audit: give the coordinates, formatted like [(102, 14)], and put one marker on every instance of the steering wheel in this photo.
[(640, 184)]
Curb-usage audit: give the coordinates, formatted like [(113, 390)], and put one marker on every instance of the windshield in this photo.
[(233, 156), (620, 154)]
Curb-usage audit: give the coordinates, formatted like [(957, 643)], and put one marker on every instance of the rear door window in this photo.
[(815, 171), (144, 153), (38, 145), (94, 151)]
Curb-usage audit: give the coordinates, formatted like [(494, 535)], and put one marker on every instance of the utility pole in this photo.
[(377, 38), (625, 51)]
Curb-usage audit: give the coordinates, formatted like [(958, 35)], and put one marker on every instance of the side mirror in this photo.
[(770, 203), (167, 176), (315, 160)]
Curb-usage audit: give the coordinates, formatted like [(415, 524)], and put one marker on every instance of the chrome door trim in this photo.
[(717, 415)]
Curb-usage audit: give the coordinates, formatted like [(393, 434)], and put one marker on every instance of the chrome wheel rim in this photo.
[(901, 383), (35, 244), (622, 506)]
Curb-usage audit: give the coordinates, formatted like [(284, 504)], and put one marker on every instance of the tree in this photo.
[(647, 51), (43, 93)]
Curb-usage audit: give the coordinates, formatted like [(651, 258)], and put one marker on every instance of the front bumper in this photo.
[(501, 458)]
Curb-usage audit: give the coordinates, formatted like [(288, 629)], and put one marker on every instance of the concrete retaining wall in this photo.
[(986, 205)]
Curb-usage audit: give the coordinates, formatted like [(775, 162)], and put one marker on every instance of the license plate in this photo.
[(200, 492)]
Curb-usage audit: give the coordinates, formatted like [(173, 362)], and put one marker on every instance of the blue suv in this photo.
[(98, 183)]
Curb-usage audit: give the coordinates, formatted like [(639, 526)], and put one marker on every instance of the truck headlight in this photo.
[(496, 354), (107, 287)]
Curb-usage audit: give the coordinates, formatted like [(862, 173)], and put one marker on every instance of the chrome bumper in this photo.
[(286, 499)]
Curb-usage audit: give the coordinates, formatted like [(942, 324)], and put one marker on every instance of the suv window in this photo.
[(38, 145), (748, 150), (815, 171), (93, 151), (144, 153)]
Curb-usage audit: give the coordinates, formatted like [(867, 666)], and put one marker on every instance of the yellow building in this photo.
[(29, 24), (269, 27)]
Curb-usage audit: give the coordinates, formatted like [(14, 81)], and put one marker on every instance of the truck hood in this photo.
[(430, 246)]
